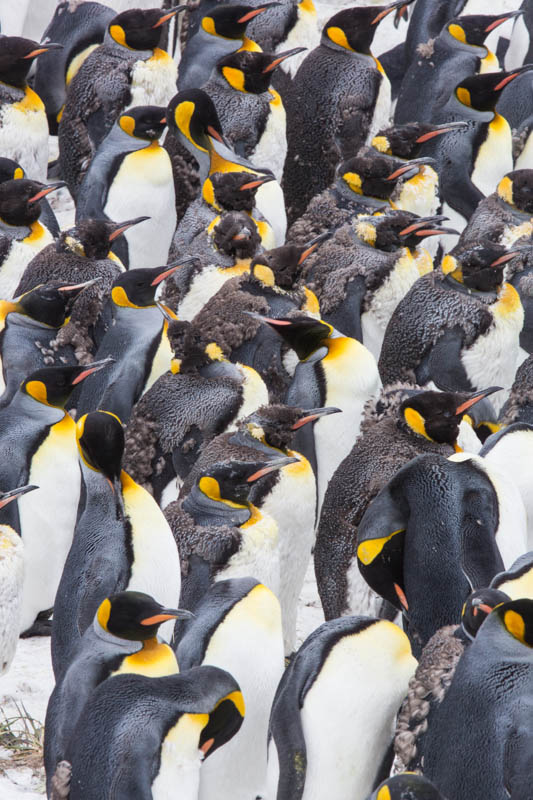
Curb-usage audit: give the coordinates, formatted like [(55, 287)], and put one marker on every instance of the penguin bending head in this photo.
[(235, 191), (405, 141), (251, 72), (143, 122), (135, 616), (52, 386), (516, 190), (19, 200), (480, 267), (139, 29), (48, 303), (236, 235), (477, 608), (16, 57), (353, 29), (191, 117), (93, 238), (100, 438)]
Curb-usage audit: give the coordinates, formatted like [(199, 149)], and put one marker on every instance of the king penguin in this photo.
[(131, 174), (237, 627), (23, 123), (330, 726), (38, 440), (11, 170), (406, 787), (121, 540)]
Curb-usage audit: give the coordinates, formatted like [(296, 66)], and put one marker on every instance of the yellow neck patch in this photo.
[(6, 307), (307, 6), (19, 173), (210, 487), (208, 25), (214, 352), (235, 78), (508, 301), (30, 102), (250, 46), (255, 517), (175, 365), (264, 274), (382, 144), (103, 613), (457, 32), (155, 660), (368, 551), (118, 33), (416, 422), (505, 190), (120, 298), (516, 626), (354, 182), (311, 302), (77, 61), (384, 793), (338, 37)]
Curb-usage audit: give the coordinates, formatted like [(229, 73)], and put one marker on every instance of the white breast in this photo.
[(518, 46), (160, 362), (48, 517), (304, 34), (11, 583), (204, 285), (382, 109), (153, 82), (420, 195), (258, 555), (271, 149), (181, 760), (24, 136), (270, 202), (254, 393), (494, 157), (18, 258)]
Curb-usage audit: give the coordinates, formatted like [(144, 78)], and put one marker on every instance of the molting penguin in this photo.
[(23, 124), (137, 341), (459, 326), (403, 555), (350, 102), (130, 173), (325, 693), (22, 235), (176, 721), (79, 28), (11, 581), (122, 638), (39, 444), (169, 424), (121, 540), (220, 533), (237, 627), (401, 424), (503, 646), (127, 70)]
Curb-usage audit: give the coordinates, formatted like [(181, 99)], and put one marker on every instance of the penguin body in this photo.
[(80, 30), (501, 706), (388, 441), (129, 174), (516, 582), (505, 212), (237, 627), (189, 715), (518, 407), (311, 754), (127, 70)]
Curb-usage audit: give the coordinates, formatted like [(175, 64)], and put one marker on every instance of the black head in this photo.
[(353, 29), (303, 334), (233, 480), (144, 122), (396, 229), (100, 438), (286, 261), (474, 28), (480, 267), (482, 92), (137, 287), (17, 56), (437, 415), (191, 114), (191, 348), (19, 200), (407, 786), (235, 191), (477, 608), (48, 303), (250, 71), (140, 29), (275, 425), (405, 141), (516, 617), (516, 188), (93, 238), (375, 174), (230, 21), (10, 170), (135, 616), (52, 386)]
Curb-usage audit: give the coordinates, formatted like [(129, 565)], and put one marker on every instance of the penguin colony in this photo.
[(290, 326)]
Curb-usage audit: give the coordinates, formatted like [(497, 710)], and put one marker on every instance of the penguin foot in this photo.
[(41, 627), (61, 781)]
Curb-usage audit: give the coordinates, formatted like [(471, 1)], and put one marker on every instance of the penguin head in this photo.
[(437, 415), (407, 786), (192, 116), (478, 606), (516, 189), (137, 287), (10, 170), (13, 494), (140, 29), (92, 238), (473, 29), (17, 56), (52, 386), (230, 21), (235, 191), (397, 228), (285, 262), (303, 334), (275, 425), (48, 303), (250, 71), (19, 200), (192, 349), (375, 174), (405, 141), (516, 618), (353, 29), (100, 438), (479, 267), (143, 122), (231, 482), (135, 616), (236, 235), (482, 92)]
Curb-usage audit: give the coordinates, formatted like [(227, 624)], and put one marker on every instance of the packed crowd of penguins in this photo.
[(292, 325)]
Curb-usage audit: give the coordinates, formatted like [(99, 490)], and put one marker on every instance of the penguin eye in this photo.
[(447, 414)]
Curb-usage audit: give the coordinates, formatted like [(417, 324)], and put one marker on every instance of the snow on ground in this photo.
[(30, 682)]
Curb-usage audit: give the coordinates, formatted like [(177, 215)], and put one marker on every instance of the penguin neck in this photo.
[(17, 232), (364, 58), (467, 113), (465, 47), (28, 407), (207, 511), (155, 659), (118, 142), (216, 46), (449, 282), (124, 52), (221, 369), (244, 438)]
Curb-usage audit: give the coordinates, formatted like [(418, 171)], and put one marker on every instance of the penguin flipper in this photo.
[(286, 729), (443, 365), (518, 753), (458, 190), (346, 318)]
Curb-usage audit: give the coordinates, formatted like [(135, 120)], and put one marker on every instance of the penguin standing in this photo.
[(329, 737), (121, 540), (339, 99), (237, 627), (39, 445), (11, 170), (127, 70), (130, 174), (137, 341), (23, 124), (11, 581), (22, 235), (174, 723), (121, 638)]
